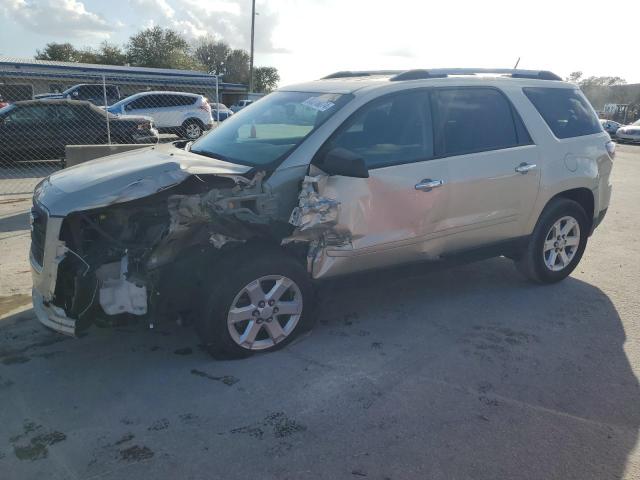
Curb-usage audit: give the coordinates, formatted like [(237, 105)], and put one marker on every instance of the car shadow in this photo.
[(554, 351), (476, 373), (12, 223)]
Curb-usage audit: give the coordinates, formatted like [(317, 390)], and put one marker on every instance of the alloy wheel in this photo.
[(561, 243), (265, 312), (193, 130)]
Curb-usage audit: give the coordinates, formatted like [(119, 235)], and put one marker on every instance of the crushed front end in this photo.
[(120, 258)]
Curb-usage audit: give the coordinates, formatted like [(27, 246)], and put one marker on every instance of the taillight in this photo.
[(611, 148), (205, 106)]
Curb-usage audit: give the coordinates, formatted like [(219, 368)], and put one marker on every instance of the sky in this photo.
[(307, 39)]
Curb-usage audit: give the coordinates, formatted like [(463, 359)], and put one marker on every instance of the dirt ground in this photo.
[(469, 372)]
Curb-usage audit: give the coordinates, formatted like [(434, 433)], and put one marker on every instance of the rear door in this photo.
[(180, 108), (493, 165), (399, 212)]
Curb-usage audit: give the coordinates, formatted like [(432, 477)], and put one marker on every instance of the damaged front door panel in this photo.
[(356, 224)]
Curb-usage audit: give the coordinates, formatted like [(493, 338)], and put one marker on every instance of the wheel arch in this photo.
[(581, 195), (192, 119)]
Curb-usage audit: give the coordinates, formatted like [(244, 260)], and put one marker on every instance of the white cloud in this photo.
[(59, 18), (228, 20), (161, 6)]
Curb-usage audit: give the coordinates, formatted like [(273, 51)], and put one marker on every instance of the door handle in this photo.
[(427, 184), (525, 167)]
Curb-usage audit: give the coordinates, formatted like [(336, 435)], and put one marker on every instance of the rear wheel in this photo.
[(261, 305), (557, 243), (192, 129)]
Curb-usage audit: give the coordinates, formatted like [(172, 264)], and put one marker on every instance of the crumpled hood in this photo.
[(125, 177)]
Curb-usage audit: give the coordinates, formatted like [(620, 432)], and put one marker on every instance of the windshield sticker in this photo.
[(317, 103)]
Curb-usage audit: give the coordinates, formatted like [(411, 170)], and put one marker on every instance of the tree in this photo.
[(574, 77), (110, 54), (160, 48), (237, 67), (59, 52), (212, 54), (266, 79)]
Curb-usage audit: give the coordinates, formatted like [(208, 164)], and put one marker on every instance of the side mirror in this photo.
[(341, 161), (75, 94)]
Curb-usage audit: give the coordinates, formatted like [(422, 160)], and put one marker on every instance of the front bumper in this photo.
[(625, 137), (149, 136), (51, 316), (44, 280)]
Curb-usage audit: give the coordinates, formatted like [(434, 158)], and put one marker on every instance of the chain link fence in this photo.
[(41, 113)]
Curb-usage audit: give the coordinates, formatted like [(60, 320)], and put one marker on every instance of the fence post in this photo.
[(106, 111)]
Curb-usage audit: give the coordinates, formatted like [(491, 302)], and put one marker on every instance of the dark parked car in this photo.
[(91, 92), (40, 129), (219, 111)]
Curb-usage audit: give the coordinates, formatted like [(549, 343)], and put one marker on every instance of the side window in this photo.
[(66, 114), (79, 115), (28, 115), (184, 100), (112, 91), (141, 102), (392, 130), (471, 120), (89, 92), (566, 111)]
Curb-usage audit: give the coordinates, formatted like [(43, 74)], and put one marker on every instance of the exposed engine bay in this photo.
[(120, 256)]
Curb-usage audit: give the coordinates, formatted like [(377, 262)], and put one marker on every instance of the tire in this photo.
[(561, 255), (192, 129), (222, 338)]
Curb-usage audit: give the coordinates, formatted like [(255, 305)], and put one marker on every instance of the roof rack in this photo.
[(361, 73), (445, 72), (398, 75)]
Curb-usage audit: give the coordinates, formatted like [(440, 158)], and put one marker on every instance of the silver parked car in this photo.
[(629, 133), (354, 172), (610, 126)]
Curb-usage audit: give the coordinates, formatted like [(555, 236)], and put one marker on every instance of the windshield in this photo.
[(269, 129)]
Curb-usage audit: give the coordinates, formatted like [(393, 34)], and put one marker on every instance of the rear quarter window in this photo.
[(566, 111)]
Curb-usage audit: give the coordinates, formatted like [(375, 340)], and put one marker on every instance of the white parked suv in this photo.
[(185, 114), (355, 172)]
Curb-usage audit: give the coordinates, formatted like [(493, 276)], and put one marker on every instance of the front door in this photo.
[(398, 213), (28, 133)]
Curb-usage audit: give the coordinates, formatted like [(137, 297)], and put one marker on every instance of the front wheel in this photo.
[(557, 242), (258, 305)]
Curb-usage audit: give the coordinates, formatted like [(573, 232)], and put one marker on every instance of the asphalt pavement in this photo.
[(469, 372)]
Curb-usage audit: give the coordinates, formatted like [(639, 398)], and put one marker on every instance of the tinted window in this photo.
[(145, 101), (389, 131), (474, 120), (112, 91), (182, 100), (90, 91), (27, 115), (76, 114), (566, 111)]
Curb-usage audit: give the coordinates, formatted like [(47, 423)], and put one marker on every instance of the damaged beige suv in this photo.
[(353, 172)]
